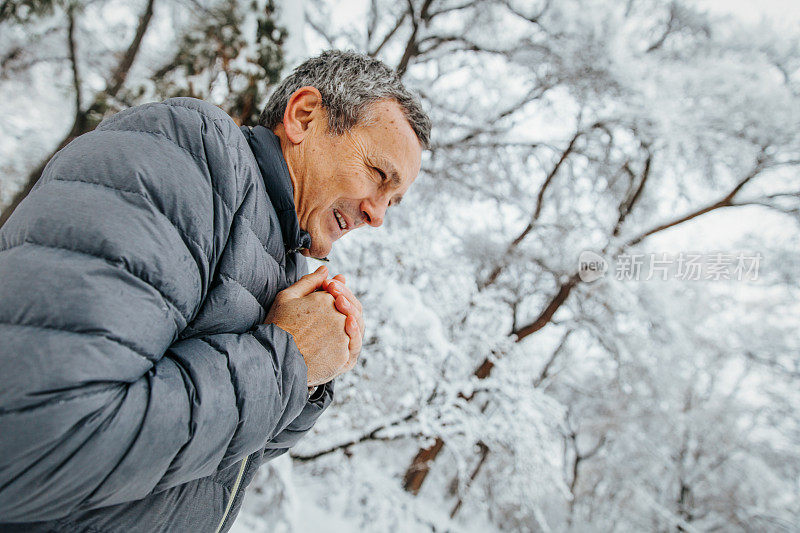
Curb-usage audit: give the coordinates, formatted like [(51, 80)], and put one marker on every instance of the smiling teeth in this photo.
[(340, 220)]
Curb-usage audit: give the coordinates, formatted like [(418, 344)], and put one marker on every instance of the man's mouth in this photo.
[(340, 219)]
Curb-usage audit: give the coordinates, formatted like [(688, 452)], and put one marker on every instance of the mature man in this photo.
[(157, 340)]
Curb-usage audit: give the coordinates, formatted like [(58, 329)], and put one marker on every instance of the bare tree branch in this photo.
[(545, 372), (627, 204), (555, 303), (420, 466), (73, 58), (725, 201), (459, 7), (412, 46), (484, 454), (503, 263), (320, 30), (86, 120), (397, 25), (667, 30), (577, 459), (124, 66), (481, 129), (11, 55), (371, 436), (5, 73), (534, 19), (303, 458)]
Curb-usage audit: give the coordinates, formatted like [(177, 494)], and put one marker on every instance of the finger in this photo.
[(354, 332), (338, 291), (346, 308), (343, 351), (335, 288), (351, 362), (326, 283), (354, 352), (308, 283)]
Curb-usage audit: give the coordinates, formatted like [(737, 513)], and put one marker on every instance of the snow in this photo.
[(594, 421)]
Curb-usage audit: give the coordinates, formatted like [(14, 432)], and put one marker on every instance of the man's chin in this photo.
[(317, 252)]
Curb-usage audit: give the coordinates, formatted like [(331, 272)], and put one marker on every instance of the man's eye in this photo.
[(381, 173)]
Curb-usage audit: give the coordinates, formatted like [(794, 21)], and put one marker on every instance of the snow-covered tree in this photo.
[(498, 389), (88, 59)]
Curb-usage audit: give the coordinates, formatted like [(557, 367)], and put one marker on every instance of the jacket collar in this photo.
[(266, 149)]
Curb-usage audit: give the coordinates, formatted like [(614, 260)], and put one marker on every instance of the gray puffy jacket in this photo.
[(139, 389)]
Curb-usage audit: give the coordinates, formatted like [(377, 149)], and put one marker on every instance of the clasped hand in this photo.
[(326, 321)]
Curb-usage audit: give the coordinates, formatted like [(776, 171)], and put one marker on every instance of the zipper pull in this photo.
[(300, 249)]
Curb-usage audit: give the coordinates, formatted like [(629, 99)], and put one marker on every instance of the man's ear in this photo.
[(303, 108)]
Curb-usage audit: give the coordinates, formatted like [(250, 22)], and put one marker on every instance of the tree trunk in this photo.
[(87, 119), (421, 464)]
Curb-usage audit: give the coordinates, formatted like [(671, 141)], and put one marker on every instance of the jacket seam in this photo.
[(128, 449), (172, 104), (239, 283), (45, 403), (234, 386), (125, 344), (249, 225), (190, 431), (138, 193), (61, 524), (214, 120), (201, 163), (273, 360), (186, 378), (111, 262)]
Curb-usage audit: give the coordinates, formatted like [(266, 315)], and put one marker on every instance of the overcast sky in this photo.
[(781, 11)]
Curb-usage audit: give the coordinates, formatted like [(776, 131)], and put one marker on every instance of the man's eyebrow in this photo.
[(388, 169)]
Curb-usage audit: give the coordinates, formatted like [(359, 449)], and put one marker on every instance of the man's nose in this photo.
[(373, 211)]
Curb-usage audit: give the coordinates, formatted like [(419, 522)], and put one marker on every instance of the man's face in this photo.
[(343, 182)]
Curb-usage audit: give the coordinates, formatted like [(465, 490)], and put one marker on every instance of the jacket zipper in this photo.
[(233, 494)]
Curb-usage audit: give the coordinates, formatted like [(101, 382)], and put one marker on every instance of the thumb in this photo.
[(308, 283)]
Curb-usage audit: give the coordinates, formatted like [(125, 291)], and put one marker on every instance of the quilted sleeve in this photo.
[(101, 267), (302, 424)]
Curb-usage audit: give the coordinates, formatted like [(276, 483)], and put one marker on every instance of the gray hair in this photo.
[(348, 82)]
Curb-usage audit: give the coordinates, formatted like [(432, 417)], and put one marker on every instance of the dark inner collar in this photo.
[(266, 148)]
